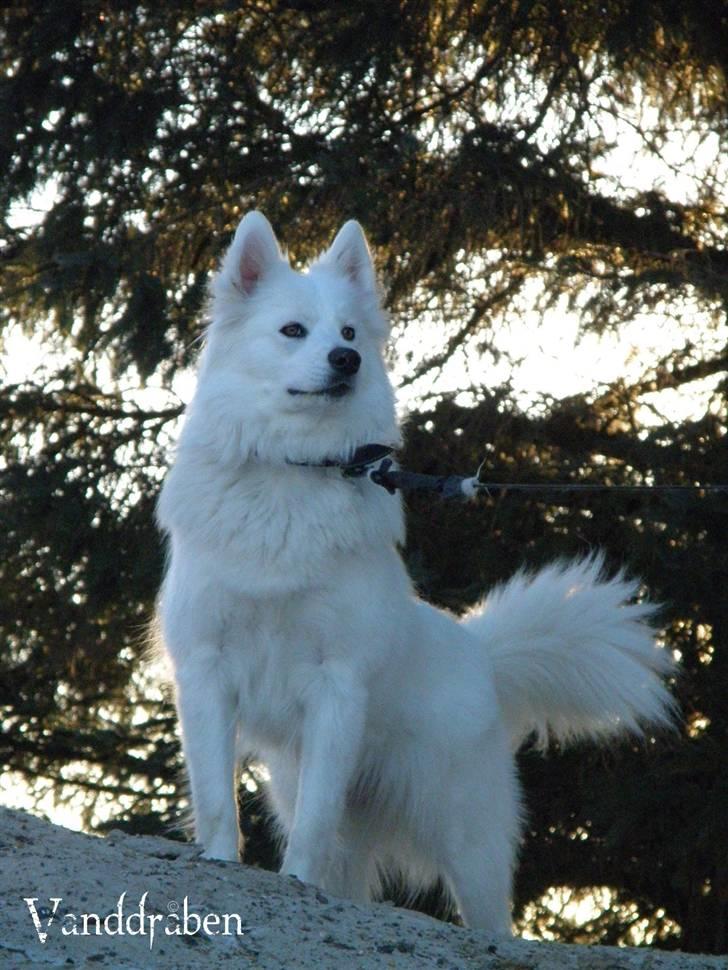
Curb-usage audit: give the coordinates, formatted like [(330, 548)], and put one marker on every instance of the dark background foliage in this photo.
[(473, 142)]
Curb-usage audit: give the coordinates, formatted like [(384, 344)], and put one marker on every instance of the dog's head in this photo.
[(294, 360)]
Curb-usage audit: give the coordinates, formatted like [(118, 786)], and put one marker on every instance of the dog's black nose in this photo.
[(344, 360)]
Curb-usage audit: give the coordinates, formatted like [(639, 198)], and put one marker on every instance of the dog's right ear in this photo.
[(253, 254)]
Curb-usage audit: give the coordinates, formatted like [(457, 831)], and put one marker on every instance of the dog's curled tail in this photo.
[(574, 655)]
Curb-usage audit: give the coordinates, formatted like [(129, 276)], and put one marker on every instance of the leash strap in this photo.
[(374, 462), (448, 486)]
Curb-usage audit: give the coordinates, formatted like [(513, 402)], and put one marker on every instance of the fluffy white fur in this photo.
[(294, 634)]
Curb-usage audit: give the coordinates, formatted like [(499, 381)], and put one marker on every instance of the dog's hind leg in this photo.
[(480, 882), (353, 872), (481, 831)]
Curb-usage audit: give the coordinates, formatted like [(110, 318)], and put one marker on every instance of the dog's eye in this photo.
[(348, 333), (293, 330)]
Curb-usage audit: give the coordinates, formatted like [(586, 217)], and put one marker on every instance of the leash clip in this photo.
[(363, 457), (379, 476)]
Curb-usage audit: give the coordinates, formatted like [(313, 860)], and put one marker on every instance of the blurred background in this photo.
[(544, 187)]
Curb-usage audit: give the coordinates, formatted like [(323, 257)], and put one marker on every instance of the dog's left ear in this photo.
[(349, 253)]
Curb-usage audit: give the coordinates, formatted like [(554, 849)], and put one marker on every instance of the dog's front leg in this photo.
[(207, 714), (334, 716)]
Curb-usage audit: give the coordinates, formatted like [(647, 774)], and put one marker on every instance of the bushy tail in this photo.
[(572, 658)]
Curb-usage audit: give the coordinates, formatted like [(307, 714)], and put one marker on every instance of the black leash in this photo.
[(373, 461)]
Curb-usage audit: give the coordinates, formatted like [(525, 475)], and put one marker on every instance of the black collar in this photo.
[(353, 464)]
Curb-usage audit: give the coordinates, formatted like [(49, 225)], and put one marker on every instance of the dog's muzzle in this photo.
[(344, 362)]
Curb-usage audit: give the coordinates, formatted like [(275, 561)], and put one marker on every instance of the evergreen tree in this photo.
[(479, 144)]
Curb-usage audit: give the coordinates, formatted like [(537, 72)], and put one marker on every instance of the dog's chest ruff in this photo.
[(268, 528)]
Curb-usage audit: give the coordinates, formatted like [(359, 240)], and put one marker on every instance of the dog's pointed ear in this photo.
[(349, 253), (254, 252)]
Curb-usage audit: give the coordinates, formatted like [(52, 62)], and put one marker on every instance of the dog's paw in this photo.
[(212, 855)]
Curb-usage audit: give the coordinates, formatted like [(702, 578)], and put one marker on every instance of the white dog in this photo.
[(388, 727)]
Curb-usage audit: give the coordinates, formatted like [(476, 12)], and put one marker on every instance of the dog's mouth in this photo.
[(339, 389)]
